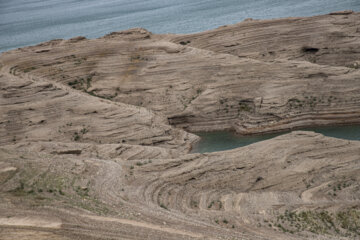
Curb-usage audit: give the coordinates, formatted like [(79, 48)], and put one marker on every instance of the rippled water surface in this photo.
[(219, 141), (27, 22)]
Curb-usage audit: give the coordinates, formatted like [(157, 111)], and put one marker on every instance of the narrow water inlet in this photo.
[(225, 140)]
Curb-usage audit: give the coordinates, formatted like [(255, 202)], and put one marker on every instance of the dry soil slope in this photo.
[(86, 144), (217, 79), (33, 109), (327, 39), (246, 193)]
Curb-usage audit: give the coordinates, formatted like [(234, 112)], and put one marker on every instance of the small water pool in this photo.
[(225, 140)]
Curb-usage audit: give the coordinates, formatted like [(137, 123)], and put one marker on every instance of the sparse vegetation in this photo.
[(81, 83), (194, 204), (215, 205), (243, 106), (26, 70), (309, 102), (84, 130), (20, 190), (338, 187), (342, 223), (76, 136), (222, 100), (163, 206), (184, 42), (354, 65), (82, 191)]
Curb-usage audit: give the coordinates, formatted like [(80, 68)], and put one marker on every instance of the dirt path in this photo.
[(144, 225), (31, 221)]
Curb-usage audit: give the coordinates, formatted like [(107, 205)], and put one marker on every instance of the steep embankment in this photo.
[(255, 76)]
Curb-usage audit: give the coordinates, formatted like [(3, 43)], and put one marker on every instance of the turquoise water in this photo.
[(28, 22), (222, 140)]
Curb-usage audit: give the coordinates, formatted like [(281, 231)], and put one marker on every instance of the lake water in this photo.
[(28, 22), (219, 141)]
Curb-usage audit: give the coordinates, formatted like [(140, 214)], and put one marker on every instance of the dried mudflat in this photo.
[(94, 141)]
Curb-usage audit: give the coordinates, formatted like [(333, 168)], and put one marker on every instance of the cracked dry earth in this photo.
[(94, 140)]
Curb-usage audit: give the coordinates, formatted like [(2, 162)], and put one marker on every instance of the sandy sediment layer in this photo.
[(93, 140)]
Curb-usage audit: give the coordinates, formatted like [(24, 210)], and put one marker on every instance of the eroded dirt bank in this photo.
[(92, 145), (254, 76), (300, 185)]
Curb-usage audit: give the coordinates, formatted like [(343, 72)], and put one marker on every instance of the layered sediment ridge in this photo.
[(253, 76), (238, 194), (93, 136), (34, 109)]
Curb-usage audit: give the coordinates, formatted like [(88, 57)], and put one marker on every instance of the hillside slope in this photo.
[(94, 141)]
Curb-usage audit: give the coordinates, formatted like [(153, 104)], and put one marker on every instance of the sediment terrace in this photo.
[(93, 134)]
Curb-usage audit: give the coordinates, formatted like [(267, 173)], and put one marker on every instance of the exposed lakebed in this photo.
[(225, 140)]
